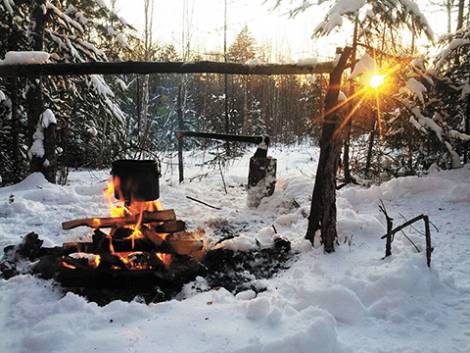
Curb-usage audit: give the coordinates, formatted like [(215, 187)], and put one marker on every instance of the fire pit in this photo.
[(141, 249)]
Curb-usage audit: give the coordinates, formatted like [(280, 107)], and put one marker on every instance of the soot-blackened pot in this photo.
[(136, 180)]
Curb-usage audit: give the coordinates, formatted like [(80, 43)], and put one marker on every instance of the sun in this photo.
[(376, 81)]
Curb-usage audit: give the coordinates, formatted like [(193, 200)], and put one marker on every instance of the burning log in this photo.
[(109, 222), (181, 243), (187, 243)]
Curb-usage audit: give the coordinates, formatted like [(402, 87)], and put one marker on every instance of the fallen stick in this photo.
[(202, 202), (108, 222)]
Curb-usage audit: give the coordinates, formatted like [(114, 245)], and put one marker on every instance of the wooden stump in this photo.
[(261, 179)]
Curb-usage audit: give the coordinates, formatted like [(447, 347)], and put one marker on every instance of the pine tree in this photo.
[(71, 31)]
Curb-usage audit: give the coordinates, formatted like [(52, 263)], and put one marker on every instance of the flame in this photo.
[(95, 262), (136, 209)]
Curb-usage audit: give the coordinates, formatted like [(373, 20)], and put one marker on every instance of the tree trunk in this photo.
[(15, 129), (460, 14), (346, 166), (35, 103), (323, 206), (449, 5), (467, 131), (370, 148), (15, 121)]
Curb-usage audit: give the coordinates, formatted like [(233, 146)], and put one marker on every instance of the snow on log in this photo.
[(9, 4), (25, 58), (108, 68)]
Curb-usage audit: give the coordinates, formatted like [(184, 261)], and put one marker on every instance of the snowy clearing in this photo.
[(349, 301)]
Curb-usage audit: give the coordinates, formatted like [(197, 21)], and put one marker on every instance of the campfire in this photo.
[(139, 236)]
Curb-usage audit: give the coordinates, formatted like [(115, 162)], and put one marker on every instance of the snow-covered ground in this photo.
[(349, 301)]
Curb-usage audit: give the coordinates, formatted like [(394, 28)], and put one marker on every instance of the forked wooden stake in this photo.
[(391, 232)]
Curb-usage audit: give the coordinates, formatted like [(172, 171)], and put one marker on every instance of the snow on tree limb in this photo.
[(334, 17), (66, 18), (365, 64), (416, 88), (37, 147), (8, 4), (342, 8), (444, 54)]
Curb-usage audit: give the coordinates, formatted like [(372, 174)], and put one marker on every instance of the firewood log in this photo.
[(107, 222)]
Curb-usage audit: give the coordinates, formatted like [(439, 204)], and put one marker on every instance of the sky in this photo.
[(205, 20)]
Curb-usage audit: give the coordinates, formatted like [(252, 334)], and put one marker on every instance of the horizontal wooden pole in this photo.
[(224, 137), (135, 67)]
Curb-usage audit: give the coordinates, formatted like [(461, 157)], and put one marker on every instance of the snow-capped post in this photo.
[(323, 206)]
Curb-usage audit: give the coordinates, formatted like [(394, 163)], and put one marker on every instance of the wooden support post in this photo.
[(179, 108), (261, 179), (427, 233), (389, 235)]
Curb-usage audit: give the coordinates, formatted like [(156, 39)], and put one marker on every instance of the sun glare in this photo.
[(376, 81)]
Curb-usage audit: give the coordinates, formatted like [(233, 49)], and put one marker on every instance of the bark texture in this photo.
[(323, 206)]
